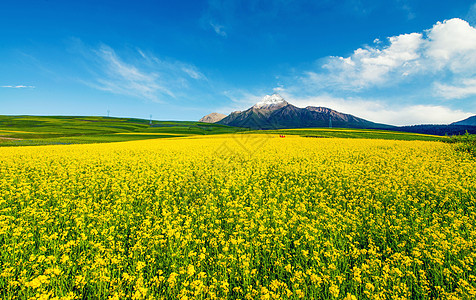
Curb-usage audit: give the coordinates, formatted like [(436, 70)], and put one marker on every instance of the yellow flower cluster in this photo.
[(224, 218)]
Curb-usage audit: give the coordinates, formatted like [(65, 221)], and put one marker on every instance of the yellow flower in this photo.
[(334, 290), (191, 270)]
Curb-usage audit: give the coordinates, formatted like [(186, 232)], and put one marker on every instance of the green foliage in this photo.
[(198, 218), (464, 143), (354, 133), (57, 130)]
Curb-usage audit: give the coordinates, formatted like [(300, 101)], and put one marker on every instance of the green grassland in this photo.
[(354, 133), (52, 130), (55, 130)]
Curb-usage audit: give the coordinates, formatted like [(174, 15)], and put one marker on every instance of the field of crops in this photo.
[(65, 130), (238, 217)]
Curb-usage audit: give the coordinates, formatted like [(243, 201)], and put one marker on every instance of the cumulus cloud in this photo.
[(449, 47), (375, 110), (381, 111), (406, 79), (142, 76), (452, 45), (385, 111), (441, 59), (371, 65)]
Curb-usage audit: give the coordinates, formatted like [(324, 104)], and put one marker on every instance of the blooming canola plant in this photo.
[(211, 218)]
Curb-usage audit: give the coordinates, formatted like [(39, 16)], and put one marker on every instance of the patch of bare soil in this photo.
[(8, 138)]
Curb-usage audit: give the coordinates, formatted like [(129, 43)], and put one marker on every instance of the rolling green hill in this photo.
[(353, 133), (56, 130), (51, 130)]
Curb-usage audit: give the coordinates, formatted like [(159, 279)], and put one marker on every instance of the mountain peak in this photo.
[(274, 112), (212, 118), (269, 101)]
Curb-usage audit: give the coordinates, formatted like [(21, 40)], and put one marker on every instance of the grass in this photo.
[(464, 143), (354, 133), (58, 130), (55, 130)]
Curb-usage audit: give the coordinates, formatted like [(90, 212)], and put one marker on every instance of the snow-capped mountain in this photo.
[(274, 101), (273, 112)]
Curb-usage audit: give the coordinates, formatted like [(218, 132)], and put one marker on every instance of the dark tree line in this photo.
[(438, 129)]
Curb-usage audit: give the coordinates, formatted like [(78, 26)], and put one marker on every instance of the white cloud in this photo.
[(379, 111), (449, 47), (143, 76), (193, 72), (403, 81), (452, 45), (123, 78), (18, 86), (466, 88), (219, 29), (382, 112), (371, 65)]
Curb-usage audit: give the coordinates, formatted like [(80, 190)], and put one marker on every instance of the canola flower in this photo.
[(210, 218)]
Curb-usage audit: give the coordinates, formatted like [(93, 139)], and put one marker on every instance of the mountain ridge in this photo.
[(471, 121), (273, 112), (212, 118)]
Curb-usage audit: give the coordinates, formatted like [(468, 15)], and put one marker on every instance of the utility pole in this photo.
[(330, 122), (150, 120), (108, 113)]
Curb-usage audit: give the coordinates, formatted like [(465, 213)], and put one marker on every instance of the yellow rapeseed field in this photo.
[(238, 217)]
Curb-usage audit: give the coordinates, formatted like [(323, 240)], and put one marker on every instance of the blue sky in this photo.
[(397, 61)]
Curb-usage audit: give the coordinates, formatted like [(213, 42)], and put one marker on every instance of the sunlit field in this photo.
[(238, 217)]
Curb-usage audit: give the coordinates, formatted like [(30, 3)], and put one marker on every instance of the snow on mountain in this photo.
[(268, 101), (273, 112)]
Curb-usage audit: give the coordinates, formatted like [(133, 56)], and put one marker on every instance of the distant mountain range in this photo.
[(273, 112), (471, 121)]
